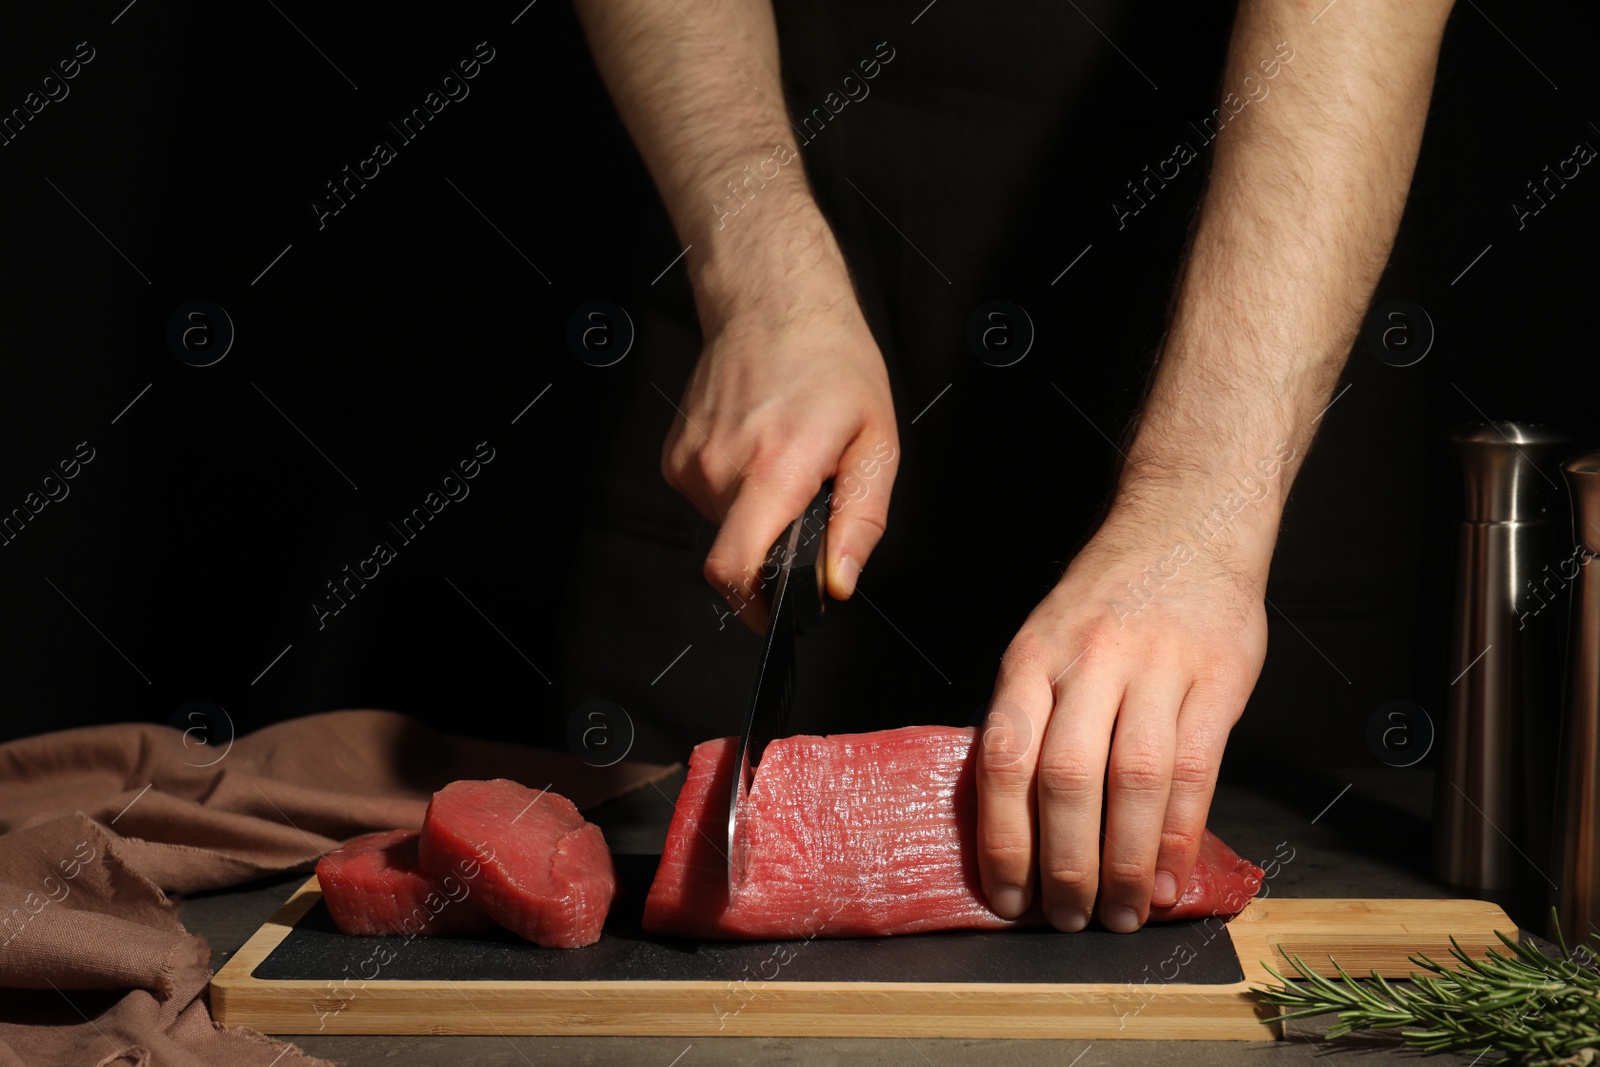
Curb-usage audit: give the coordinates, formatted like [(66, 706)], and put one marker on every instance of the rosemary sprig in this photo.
[(1535, 1009)]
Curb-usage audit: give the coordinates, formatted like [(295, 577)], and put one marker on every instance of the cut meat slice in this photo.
[(373, 885), (857, 835), (547, 874)]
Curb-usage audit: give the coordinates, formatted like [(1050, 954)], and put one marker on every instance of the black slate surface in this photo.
[(1187, 952)]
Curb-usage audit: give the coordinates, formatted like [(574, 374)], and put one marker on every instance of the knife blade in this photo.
[(792, 573)]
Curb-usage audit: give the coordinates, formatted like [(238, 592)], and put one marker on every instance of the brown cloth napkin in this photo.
[(99, 824)]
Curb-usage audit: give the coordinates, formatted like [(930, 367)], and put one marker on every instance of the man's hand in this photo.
[(1125, 681), (791, 390)]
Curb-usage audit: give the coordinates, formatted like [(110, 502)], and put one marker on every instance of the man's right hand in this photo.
[(789, 391)]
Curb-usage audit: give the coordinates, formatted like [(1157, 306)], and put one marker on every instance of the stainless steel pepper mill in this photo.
[(1494, 787), (1577, 838)]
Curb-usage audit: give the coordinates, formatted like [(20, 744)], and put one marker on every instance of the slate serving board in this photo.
[(315, 950), (298, 975)]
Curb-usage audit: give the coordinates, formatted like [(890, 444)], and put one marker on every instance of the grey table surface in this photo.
[(1356, 833)]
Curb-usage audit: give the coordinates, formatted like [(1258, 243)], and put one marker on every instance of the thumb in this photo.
[(860, 504)]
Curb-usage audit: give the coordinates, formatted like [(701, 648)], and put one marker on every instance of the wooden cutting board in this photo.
[(298, 975)]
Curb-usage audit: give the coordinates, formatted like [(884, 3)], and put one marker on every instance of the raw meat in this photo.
[(373, 885), (547, 874), (1221, 883), (858, 835)]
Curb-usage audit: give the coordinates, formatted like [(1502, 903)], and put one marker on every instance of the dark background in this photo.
[(408, 330)]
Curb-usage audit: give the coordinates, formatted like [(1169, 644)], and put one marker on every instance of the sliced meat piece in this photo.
[(547, 873), (373, 885), (858, 835)]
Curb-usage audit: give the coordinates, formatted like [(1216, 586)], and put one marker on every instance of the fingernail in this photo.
[(1166, 890), (1120, 920), (1008, 902), (849, 571), (1068, 920)]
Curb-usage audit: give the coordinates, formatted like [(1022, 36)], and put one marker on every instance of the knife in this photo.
[(793, 576)]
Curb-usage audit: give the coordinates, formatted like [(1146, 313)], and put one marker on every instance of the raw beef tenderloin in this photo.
[(547, 874), (373, 885), (859, 835)]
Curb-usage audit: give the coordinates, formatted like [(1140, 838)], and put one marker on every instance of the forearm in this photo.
[(697, 84), (1305, 194)]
